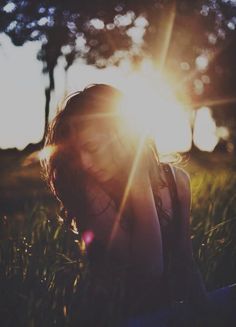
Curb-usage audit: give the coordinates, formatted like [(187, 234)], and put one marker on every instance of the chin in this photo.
[(102, 177)]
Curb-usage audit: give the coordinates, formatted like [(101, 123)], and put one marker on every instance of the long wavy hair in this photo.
[(61, 170)]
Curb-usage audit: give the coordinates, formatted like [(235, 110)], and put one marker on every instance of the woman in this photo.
[(132, 211)]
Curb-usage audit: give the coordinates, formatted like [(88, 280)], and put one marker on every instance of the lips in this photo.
[(97, 173), (100, 175)]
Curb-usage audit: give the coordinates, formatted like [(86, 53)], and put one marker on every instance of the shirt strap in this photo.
[(171, 183)]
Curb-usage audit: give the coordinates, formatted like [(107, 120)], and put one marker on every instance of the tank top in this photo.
[(123, 291), (147, 293)]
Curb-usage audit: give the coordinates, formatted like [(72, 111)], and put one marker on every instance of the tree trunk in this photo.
[(48, 92)]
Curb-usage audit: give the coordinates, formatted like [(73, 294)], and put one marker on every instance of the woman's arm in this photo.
[(191, 276), (146, 235)]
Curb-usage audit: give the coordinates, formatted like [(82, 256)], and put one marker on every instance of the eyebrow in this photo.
[(88, 143)]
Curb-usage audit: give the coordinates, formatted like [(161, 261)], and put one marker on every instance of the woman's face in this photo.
[(96, 146)]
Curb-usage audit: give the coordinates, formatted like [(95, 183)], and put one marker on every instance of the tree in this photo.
[(172, 33), (59, 26)]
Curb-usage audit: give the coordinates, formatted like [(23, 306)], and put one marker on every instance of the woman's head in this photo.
[(88, 140), (88, 126)]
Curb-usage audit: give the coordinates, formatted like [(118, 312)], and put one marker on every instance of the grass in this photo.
[(40, 269), (42, 263), (214, 226)]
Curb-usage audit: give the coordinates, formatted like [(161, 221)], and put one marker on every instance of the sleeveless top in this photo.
[(158, 293), (120, 292)]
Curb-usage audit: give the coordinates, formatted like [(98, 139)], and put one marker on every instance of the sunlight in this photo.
[(205, 131), (214, 102), (126, 191), (223, 132), (150, 108), (46, 152), (40, 155), (167, 33)]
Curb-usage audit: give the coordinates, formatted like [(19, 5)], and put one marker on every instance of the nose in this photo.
[(86, 161)]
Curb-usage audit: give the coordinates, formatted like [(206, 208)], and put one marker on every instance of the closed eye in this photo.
[(91, 147)]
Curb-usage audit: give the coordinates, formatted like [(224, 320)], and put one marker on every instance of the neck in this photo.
[(115, 187)]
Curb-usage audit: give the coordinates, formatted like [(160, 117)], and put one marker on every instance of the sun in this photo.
[(151, 109)]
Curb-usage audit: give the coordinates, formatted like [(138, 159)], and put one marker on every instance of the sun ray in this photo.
[(168, 28), (127, 190), (214, 102)]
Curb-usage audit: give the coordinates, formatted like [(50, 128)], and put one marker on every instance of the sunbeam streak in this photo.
[(127, 190), (214, 102), (167, 35)]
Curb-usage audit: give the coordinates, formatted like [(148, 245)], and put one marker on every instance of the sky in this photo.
[(22, 94), (22, 86)]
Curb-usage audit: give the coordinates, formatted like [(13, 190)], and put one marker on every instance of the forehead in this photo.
[(96, 131)]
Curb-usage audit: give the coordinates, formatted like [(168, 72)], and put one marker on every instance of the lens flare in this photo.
[(150, 108)]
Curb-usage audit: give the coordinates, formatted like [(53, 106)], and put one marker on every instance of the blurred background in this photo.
[(176, 63)]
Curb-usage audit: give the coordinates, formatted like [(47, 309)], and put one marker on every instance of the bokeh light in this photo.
[(204, 134)]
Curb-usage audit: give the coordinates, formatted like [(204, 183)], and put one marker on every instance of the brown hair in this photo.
[(66, 180)]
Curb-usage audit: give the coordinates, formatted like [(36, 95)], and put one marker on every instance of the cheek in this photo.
[(101, 158), (107, 159)]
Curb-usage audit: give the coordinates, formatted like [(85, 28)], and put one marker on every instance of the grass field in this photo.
[(42, 263)]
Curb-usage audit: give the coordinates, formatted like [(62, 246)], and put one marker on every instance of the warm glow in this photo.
[(150, 105), (46, 152), (205, 131), (222, 132), (125, 196), (152, 109), (41, 155)]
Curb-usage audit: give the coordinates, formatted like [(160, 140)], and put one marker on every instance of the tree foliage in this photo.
[(104, 32)]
